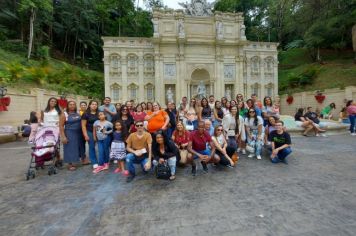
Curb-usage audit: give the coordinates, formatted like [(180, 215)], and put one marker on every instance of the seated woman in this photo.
[(223, 153), (305, 123), (164, 150), (181, 138), (327, 111), (343, 117)]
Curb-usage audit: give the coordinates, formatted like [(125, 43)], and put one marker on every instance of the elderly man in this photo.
[(209, 127), (199, 143)]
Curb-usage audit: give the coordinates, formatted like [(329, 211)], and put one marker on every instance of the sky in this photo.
[(172, 3)]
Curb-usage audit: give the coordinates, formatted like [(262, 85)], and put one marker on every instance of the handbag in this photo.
[(163, 171)]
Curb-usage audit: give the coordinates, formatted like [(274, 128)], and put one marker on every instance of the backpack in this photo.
[(163, 171)]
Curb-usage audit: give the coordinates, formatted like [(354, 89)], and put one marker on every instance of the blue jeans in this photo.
[(171, 162), (206, 152), (104, 150), (257, 144), (131, 159), (231, 142), (352, 119), (282, 154), (92, 153)]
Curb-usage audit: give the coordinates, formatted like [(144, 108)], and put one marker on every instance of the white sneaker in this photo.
[(323, 135), (251, 155), (259, 157), (317, 135), (244, 151), (239, 150), (353, 134), (95, 166)]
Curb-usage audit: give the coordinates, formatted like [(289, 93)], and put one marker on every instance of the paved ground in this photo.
[(314, 195)]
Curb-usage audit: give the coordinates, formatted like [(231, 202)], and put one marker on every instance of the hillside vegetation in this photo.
[(298, 72), (48, 73)]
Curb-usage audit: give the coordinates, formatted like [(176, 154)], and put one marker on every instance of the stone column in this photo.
[(248, 82), (107, 74), (141, 88), (158, 77), (275, 75), (262, 79), (239, 73), (124, 76)]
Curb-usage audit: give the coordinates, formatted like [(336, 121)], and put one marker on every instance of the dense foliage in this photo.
[(71, 30)]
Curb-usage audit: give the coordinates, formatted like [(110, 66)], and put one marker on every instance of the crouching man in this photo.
[(281, 143)]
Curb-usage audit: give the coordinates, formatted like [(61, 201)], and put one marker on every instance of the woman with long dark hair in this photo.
[(218, 114), (205, 111), (50, 115), (268, 110), (351, 110), (164, 150), (71, 134), (233, 125), (125, 116), (254, 133), (88, 120)]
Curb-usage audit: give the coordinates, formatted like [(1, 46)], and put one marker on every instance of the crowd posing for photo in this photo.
[(198, 133)]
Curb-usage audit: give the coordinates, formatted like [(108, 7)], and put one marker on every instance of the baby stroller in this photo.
[(44, 152)]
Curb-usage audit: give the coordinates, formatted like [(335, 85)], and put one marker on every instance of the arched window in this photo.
[(255, 65), (255, 89), (269, 90), (149, 88), (269, 64), (115, 92), (132, 64), (115, 65), (132, 91)]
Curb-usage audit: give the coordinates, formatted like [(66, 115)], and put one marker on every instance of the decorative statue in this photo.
[(198, 8), (181, 27), (201, 90), (169, 95), (228, 93), (242, 31), (219, 30)]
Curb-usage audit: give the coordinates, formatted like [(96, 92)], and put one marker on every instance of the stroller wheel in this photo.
[(49, 172), (33, 174), (27, 177), (54, 171)]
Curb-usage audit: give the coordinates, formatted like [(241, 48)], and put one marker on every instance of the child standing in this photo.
[(118, 149), (101, 131)]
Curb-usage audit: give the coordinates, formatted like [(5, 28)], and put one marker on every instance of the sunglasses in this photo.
[(251, 111), (139, 125), (219, 129)]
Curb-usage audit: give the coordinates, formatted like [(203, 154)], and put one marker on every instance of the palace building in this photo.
[(193, 52)]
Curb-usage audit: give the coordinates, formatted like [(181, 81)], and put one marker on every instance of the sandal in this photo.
[(173, 177), (85, 162), (72, 168)]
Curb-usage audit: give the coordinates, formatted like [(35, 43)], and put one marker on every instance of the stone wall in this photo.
[(23, 103), (306, 99)]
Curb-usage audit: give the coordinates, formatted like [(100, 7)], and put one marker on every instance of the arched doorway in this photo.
[(200, 83)]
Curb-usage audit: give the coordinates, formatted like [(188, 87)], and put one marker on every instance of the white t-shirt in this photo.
[(51, 118), (251, 123), (220, 139)]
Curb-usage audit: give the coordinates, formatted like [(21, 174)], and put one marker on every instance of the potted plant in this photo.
[(319, 96), (289, 99)]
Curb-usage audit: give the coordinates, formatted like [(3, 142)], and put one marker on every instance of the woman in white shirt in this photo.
[(233, 125), (254, 133), (50, 115)]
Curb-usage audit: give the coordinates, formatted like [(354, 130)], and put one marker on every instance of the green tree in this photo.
[(31, 8)]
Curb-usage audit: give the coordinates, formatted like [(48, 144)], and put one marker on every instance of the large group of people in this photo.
[(198, 132)]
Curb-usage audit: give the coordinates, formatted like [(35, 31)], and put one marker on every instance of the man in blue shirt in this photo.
[(108, 108)]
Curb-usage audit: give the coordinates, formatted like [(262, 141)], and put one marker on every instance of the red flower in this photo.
[(320, 98), (290, 99), (4, 103), (62, 103)]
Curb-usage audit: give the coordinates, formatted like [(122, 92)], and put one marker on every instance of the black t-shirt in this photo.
[(90, 118), (280, 139), (298, 116), (313, 116)]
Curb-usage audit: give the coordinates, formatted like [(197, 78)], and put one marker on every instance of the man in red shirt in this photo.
[(199, 143)]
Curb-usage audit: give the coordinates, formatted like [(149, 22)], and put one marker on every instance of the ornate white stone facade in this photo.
[(187, 50)]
